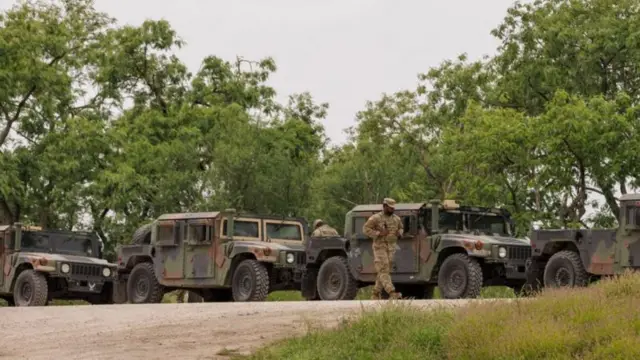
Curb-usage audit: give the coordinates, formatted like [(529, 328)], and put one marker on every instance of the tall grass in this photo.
[(598, 322)]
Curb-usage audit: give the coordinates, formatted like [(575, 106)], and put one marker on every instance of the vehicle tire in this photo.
[(335, 281), (142, 285), (142, 235), (565, 269), (31, 289), (460, 277), (250, 281)]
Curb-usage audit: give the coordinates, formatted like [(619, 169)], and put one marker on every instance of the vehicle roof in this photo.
[(378, 207), (214, 214), (447, 205), (194, 215), (4, 227), (633, 196)]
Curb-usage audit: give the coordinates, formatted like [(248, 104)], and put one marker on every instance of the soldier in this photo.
[(384, 228), (322, 229)]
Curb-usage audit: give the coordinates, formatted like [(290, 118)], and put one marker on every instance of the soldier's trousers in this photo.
[(383, 253)]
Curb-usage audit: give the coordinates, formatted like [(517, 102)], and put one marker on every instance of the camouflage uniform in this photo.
[(322, 229), (384, 247)]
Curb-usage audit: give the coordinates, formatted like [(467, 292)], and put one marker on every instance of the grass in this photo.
[(598, 322)]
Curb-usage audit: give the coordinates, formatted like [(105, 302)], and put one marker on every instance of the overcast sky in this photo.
[(344, 52)]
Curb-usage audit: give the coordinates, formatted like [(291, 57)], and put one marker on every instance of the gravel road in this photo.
[(161, 331)]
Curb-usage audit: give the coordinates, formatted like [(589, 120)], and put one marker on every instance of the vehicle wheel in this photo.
[(460, 277), (30, 289), (250, 281), (142, 286), (335, 281), (565, 269), (142, 235)]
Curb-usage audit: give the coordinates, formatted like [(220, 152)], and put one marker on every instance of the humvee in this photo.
[(41, 265), (218, 256), (576, 257), (460, 249)]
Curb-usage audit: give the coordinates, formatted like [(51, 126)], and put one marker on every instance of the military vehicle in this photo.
[(41, 265), (576, 257), (219, 256), (460, 249)]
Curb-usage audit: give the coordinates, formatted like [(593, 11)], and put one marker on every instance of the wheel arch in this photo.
[(22, 267), (442, 255), (237, 259)]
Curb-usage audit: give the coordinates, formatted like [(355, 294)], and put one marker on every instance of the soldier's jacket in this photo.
[(377, 222), (324, 230)]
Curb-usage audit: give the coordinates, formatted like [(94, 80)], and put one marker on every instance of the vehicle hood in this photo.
[(487, 239), (64, 257), (270, 245)]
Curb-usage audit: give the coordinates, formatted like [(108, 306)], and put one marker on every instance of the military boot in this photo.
[(395, 295), (376, 295)]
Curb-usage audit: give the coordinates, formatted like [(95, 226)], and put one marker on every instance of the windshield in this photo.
[(488, 223), (284, 231), (63, 243)]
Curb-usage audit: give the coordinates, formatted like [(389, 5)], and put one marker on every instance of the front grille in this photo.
[(518, 252), (301, 258), (86, 270)]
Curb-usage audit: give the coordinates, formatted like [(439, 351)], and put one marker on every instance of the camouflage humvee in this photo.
[(219, 256), (576, 257), (41, 265), (457, 248)]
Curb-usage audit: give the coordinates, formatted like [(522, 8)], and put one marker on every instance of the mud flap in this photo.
[(119, 291), (308, 285)]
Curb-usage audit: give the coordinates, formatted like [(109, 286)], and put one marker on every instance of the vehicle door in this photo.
[(199, 249), (406, 256), (169, 236), (244, 229)]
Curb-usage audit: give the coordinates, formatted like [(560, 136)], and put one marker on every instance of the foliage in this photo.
[(103, 127)]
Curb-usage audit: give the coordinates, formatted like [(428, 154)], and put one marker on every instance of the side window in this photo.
[(249, 229), (406, 224), (198, 234), (165, 234), (284, 231)]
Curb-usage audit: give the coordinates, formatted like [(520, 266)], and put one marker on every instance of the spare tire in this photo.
[(142, 235)]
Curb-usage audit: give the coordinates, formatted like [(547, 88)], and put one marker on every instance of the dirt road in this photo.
[(165, 331)]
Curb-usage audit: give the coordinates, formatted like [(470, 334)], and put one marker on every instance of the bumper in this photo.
[(89, 286)]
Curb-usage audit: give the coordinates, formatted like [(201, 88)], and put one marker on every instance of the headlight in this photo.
[(65, 268), (290, 258), (502, 252), (106, 272)]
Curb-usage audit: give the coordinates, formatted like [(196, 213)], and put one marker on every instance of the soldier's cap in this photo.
[(389, 202), (317, 223)]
